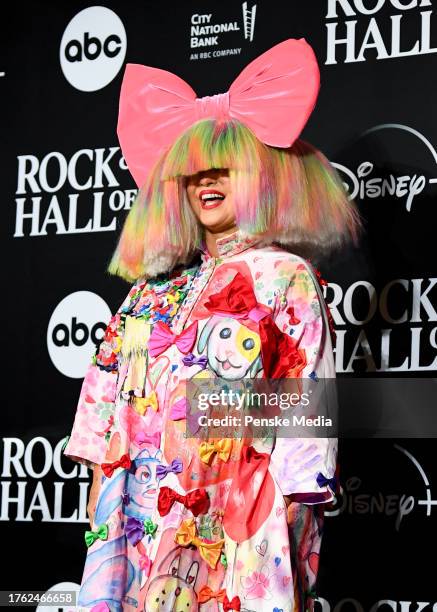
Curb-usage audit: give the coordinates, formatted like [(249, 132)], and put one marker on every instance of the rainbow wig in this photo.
[(292, 197)]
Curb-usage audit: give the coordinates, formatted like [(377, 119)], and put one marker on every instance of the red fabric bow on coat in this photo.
[(123, 462), (206, 594), (279, 352), (233, 604), (196, 501), (237, 300)]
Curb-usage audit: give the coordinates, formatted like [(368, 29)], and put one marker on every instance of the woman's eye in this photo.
[(248, 344), (225, 332)]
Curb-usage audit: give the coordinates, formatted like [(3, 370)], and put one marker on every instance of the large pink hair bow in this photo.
[(273, 96)]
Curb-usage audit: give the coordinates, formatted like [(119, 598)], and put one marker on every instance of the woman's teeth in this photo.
[(211, 199)]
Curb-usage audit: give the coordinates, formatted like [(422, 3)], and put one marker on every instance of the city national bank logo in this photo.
[(358, 31), (354, 500), (75, 328), (93, 48), (380, 177), (207, 31)]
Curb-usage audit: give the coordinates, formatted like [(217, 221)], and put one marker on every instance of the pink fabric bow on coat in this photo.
[(162, 338), (273, 96)]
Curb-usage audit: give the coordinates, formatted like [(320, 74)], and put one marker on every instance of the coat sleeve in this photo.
[(296, 463), (94, 418)]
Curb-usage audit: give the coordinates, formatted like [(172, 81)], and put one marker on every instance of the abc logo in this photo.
[(75, 327), (93, 48)]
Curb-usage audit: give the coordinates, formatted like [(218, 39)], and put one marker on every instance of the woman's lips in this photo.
[(210, 198)]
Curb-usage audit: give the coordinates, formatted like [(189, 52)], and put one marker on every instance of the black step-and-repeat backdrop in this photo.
[(65, 191)]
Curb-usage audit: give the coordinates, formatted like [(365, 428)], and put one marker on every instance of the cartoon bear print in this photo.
[(172, 589)]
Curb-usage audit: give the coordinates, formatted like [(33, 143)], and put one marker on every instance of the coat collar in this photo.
[(230, 244)]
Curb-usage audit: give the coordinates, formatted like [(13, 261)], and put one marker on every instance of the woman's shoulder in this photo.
[(285, 262)]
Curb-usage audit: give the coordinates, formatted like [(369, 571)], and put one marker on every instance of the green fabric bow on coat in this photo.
[(101, 533), (150, 527)]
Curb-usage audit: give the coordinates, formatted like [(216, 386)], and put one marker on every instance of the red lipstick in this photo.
[(210, 198)]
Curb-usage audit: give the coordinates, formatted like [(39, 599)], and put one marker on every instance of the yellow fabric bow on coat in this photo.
[(222, 447), (142, 403), (209, 551)]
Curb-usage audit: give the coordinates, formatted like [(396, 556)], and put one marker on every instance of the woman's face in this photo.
[(210, 197)]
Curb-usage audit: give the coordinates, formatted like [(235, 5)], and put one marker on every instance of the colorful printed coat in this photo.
[(185, 524)]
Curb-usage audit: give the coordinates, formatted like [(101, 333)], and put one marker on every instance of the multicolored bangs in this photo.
[(214, 144), (292, 197)]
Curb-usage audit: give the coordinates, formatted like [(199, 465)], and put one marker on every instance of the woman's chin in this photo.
[(216, 221), (211, 217)]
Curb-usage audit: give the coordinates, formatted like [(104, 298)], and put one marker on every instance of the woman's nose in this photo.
[(207, 180)]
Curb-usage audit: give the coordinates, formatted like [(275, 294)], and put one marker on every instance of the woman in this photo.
[(227, 194)]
